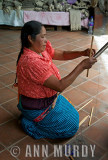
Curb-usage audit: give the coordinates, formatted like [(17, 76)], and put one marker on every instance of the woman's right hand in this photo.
[(87, 63)]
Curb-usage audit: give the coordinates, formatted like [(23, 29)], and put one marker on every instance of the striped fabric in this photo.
[(61, 122)]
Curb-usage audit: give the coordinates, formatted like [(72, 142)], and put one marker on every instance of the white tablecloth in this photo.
[(12, 19)]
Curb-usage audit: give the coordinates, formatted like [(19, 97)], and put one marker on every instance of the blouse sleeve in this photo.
[(39, 71), (50, 49)]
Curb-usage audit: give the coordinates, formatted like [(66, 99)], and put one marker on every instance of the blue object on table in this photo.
[(71, 1)]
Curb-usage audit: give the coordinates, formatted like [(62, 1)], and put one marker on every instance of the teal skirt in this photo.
[(60, 122)]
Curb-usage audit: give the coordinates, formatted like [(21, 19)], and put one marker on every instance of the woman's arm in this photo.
[(59, 85), (68, 55)]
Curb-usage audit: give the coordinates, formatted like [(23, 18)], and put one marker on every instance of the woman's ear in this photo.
[(29, 39)]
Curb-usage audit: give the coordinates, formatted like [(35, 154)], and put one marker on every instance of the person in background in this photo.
[(45, 113)]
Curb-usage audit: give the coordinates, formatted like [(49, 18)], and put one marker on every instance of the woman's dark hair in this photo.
[(31, 28)]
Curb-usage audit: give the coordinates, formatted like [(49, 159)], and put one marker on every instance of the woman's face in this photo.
[(39, 44)]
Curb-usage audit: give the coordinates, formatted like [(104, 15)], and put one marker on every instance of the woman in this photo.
[(45, 114)]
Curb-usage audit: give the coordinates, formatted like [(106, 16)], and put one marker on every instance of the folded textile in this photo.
[(9, 5), (75, 19)]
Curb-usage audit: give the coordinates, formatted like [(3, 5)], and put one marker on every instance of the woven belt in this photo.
[(43, 114)]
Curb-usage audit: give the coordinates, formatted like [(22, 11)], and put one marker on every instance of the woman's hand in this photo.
[(87, 52), (87, 63)]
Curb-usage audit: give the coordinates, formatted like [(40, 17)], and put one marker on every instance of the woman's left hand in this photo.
[(87, 52)]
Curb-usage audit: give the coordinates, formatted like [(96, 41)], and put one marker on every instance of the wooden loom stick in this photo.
[(84, 119), (85, 104), (91, 116), (71, 157), (90, 53)]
